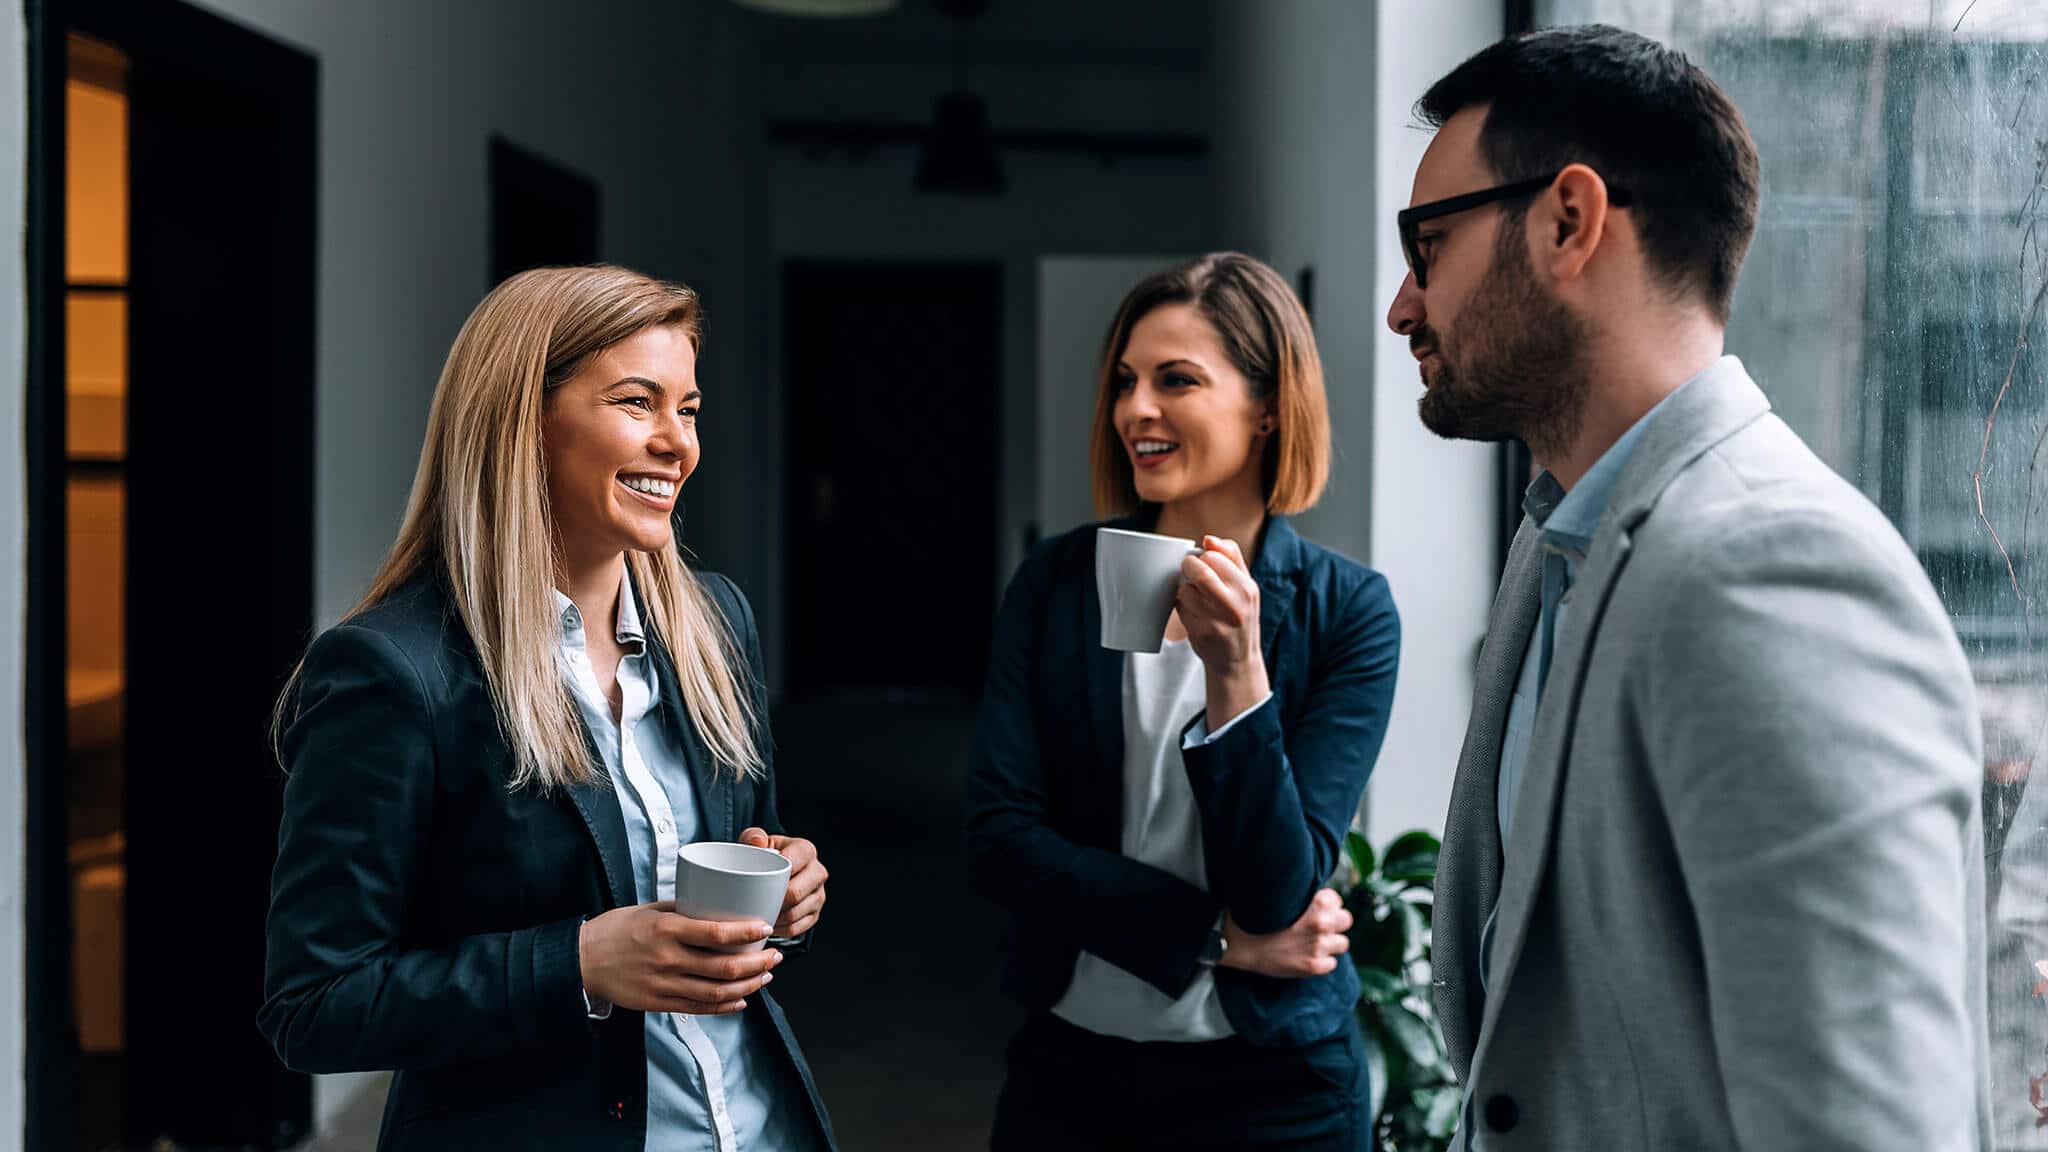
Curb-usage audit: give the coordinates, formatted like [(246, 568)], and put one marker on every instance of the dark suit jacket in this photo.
[(424, 917), (1276, 793)]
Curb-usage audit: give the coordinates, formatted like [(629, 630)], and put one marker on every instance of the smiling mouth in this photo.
[(1152, 450), (650, 488)]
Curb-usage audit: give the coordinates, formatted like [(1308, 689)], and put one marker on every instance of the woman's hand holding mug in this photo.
[(806, 895), (1219, 606), (650, 959), (1308, 947)]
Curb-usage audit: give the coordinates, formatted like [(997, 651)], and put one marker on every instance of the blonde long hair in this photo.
[(479, 513)]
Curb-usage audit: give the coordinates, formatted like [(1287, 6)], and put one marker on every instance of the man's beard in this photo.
[(1517, 368)]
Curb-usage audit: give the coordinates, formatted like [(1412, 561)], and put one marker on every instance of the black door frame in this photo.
[(186, 33), (51, 1033)]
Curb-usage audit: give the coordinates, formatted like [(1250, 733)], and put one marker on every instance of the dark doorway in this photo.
[(541, 213), (171, 430), (892, 450)]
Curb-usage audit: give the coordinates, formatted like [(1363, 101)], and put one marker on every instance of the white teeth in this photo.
[(649, 485), (1153, 447)]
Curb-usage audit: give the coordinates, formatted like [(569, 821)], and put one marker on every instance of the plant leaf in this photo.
[(1414, 932), (1359, 849), (1412, 1034), (1386, 939), (1412, 858), (1381, 986), (1442, 1117)]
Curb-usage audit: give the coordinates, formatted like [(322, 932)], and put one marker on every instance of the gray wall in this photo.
[(13, 562), (1077, 298)]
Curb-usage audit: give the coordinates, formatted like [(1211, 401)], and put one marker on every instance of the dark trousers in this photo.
[(1072, 1090)]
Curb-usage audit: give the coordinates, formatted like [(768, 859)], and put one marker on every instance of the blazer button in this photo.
[(1501, 1113)]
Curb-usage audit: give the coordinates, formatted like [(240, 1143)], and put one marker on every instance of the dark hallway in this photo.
[(897, 1005)]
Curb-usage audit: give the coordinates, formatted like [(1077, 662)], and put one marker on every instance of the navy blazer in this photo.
[(1275, 793), (424, 916)]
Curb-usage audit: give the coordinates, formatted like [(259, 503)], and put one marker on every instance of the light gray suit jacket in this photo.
[(1742, 905)]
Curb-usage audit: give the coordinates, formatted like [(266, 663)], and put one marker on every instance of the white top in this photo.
[(1162, 828)]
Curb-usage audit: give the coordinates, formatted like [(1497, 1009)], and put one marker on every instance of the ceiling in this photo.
[(1054, 36)]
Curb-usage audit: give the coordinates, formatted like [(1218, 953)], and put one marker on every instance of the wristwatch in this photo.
[(1214, 948)]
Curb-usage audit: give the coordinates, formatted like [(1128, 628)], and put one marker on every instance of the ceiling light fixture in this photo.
[(827, 9)]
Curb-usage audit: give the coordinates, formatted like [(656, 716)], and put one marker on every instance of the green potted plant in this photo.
[(1391, 898)]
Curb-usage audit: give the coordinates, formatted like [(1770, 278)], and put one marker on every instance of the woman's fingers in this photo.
[(804, 885), (1204, 593), (725, 967), (1330, 920), (1226, 546), (714, 934), (800, 919), (712, 991), (690, 1007)]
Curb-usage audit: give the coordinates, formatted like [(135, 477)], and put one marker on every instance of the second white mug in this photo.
[(1137, 577)]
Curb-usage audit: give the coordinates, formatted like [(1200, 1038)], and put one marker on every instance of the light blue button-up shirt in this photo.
[(710, 1079), (1567, 522)]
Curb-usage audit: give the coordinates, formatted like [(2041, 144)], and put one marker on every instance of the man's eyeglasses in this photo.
[(1411, 219)]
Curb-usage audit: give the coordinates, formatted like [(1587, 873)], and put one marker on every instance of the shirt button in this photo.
[(662, 827)]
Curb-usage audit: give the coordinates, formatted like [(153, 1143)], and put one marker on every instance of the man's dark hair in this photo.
[(1638, 113)]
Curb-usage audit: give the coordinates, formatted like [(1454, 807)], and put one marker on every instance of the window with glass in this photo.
[(1890, 307)]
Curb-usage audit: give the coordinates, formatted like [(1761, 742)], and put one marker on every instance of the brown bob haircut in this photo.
[(1267, 335)]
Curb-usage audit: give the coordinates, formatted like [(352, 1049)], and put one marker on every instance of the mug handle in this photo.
[(792, 945)]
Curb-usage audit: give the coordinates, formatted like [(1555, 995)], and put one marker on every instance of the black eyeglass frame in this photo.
[(1410, 219)]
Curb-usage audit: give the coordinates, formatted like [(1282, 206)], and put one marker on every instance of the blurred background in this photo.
[(254, 226)]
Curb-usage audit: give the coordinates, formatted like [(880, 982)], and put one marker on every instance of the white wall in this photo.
[(1435, 503), (13, 563), (652, 101), (1315, 154)]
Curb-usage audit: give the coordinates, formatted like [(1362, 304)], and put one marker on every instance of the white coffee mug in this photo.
[(1137, 576), (716, 880)]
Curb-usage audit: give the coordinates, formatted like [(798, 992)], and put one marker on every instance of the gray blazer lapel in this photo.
[(1528, 852), (1714, 406), (1468, 871)]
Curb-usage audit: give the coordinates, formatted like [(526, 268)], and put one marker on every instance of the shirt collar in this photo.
[(630, 632), (1569, 520)]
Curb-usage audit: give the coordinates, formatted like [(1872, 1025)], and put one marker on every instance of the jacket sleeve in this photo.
[(1142, 919), (1277, 797), (1812, 728), (343, 989)]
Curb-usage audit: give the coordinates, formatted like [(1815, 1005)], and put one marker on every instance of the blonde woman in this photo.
[(1160, 826), (494, 758)]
